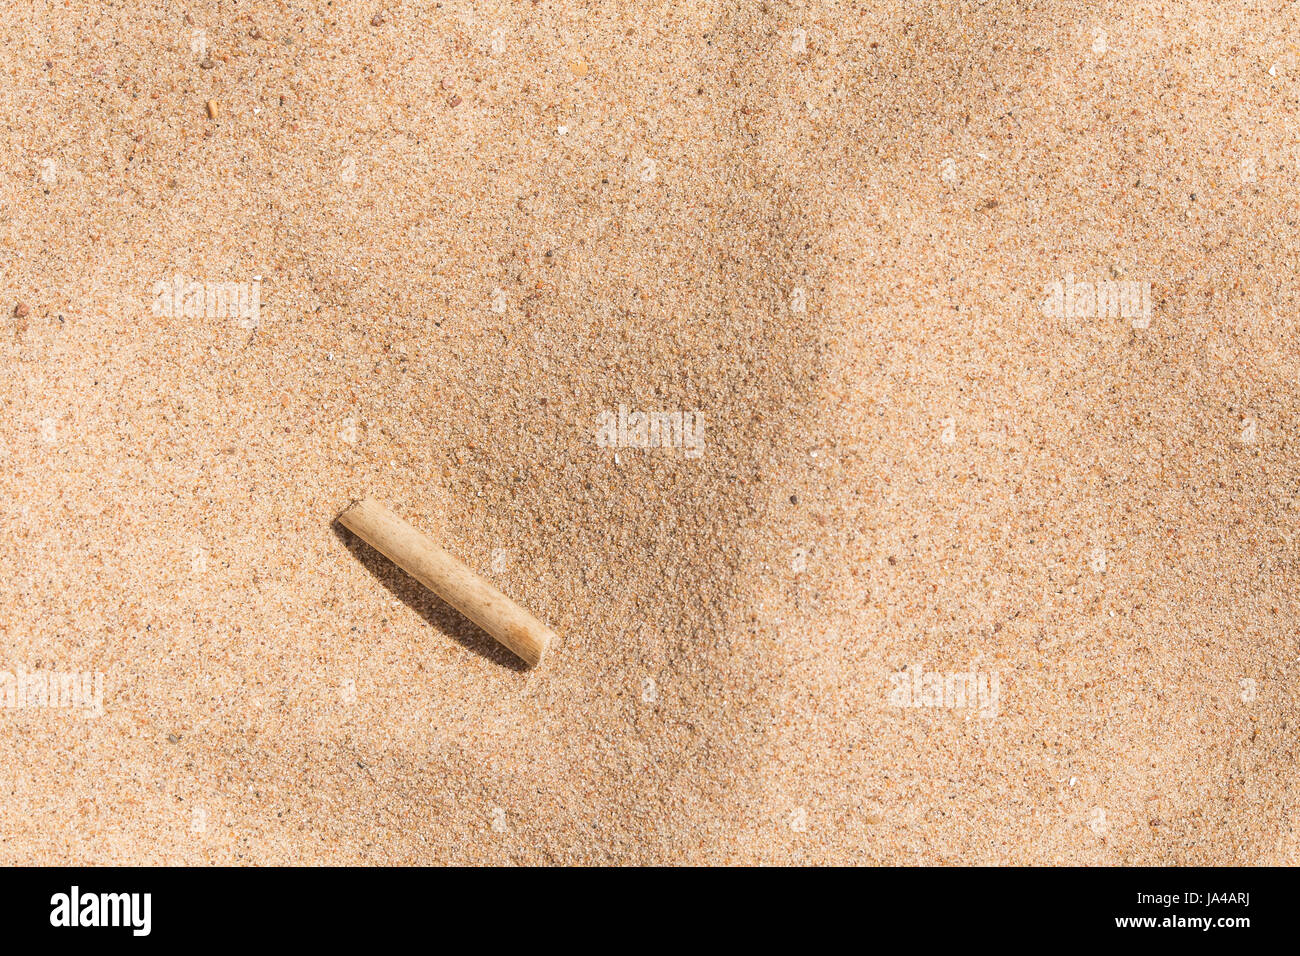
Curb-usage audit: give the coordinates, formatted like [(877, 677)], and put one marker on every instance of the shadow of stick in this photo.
[(425, 603)]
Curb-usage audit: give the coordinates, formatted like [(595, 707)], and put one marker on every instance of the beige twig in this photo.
[(449, 578)]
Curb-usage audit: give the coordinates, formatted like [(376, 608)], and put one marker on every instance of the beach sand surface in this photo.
[(462, 234)]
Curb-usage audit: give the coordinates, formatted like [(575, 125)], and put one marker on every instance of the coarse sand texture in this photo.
[(891, 407)]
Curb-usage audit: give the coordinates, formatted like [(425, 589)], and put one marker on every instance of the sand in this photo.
[(827, 231)]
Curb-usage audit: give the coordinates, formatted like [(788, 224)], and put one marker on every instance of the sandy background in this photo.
[(683, 207)]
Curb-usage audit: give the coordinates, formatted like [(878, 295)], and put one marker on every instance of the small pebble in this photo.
[(214, 109), (21, 310), (377, 20), (448, 82), (206, 64), (454, 101)]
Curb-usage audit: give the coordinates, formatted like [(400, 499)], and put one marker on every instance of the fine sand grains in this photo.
[(423, 250)]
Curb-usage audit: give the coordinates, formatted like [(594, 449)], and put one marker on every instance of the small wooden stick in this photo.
[(450, 579)]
